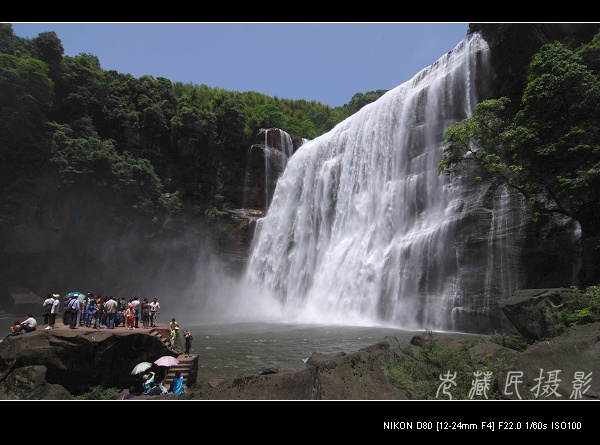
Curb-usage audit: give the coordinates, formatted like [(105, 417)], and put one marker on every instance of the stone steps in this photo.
[(186, 364)]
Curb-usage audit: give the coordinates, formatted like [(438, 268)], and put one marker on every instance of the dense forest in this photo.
[(160, 147)]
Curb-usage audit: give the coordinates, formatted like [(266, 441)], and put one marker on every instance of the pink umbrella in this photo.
[(166, 360)]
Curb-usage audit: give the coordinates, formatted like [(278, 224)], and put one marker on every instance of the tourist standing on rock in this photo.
[(90, 311), (67, 312), (111, 307), (47, 305), (154, 311), (129, 317), (136, 311), (98, 313), (53, 311), (73, 307), (81, 311), (145, 314), (174, 337), (188, 342)]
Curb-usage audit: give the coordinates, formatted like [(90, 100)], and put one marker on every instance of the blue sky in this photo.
[(324, 62)]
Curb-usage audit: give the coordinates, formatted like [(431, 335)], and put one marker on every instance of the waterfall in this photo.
[(265, 161), (362, 230)]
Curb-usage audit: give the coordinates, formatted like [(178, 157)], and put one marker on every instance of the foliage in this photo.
[(516, 342), (117, 139), (266, 116), (419, 372), (85, 160), (359, 100), (578, 307), (27, 95), (100, 393)]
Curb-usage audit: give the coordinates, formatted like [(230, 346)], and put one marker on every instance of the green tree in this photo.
[(359, 100), (549, 152), (88, 162), (7, 39), (266, 116), (26, 98), (49, 49), (79, 88)]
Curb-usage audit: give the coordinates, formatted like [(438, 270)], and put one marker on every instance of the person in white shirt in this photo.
[(28, 325), (154, 311), (136, 311), (47, 306), (53, 311)]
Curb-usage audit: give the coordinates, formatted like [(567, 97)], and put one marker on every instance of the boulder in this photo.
[(552, 369), (531, 312), (29, 383)]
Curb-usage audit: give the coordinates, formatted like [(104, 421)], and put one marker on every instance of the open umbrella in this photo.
[(166, 360), (77, 295), (141, 367)]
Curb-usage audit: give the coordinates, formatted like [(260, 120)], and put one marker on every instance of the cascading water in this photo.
[(273, 153), (362, 230)]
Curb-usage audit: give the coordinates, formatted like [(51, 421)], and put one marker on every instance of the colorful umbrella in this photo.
[(166, 360), (141, 367), (77, 295)]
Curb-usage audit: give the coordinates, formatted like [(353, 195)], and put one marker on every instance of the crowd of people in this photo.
[(97, 312)]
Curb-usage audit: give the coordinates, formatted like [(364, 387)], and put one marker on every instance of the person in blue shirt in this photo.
[(148, 382), (177, 383)]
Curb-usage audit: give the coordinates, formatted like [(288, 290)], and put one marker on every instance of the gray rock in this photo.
[(531, 312), (575, 351), (29, 383)]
